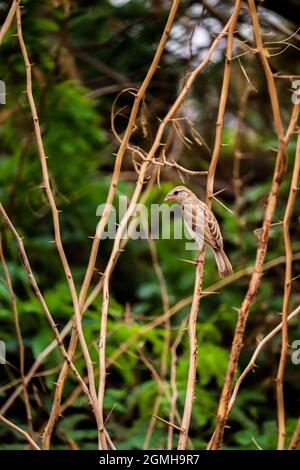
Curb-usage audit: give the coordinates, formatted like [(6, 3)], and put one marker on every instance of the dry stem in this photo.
[(199, 267), (41, 300), (255, 281), (286, 298), (96, 241), (20, 431), (58, 241), (14, 307)]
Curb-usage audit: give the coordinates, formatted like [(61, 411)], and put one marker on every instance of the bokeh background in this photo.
[(84, 54)]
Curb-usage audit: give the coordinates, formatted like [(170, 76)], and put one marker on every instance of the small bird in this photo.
[(202, 225)]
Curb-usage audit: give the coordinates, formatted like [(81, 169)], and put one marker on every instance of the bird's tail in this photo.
[(223, 263)]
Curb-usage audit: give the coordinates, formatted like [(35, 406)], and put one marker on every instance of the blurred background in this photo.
[(85, 54)]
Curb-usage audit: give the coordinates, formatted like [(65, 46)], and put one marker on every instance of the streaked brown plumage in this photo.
[(202, 225)]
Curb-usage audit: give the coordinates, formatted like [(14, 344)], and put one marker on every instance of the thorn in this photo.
[(206, 292), (187, 261), (236, 309), (223, 205), (220, 191)]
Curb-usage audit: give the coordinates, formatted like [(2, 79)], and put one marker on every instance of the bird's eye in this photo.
[(175, 193)]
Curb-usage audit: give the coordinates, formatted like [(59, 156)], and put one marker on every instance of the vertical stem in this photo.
[(111, 194), (57, 233), (13, 301), (255, 281), (190, 390), (199, 267), (296, 437), (286, 298)]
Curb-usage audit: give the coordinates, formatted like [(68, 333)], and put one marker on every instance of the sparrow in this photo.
[(202, 226)]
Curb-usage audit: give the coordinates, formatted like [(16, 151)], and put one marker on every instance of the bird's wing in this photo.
[(212, 231), (203, 225)]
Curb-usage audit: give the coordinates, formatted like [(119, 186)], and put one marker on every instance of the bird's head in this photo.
[(178, 194)]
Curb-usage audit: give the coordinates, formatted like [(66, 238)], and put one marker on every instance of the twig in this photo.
[(15, 382), (123, 147), (14, 307), (161, 384), (171, 425), (193, 346), (9, 19), (286, 298), (37, 363), (166, 343), (42, 302), (20, 431), (174, 390), (251, 364), (199, 268), (111, 194), (236, 177), (296, 437), (58, 242), (263, 238)]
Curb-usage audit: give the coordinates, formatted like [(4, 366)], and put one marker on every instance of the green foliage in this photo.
[(96, 47)]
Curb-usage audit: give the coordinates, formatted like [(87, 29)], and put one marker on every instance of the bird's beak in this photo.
[(169, 197)]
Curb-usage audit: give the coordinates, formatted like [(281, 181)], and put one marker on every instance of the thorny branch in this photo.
[(193, 344), (255, 281), (20, 341), (100, 227), (286, 297), (58, 240)]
